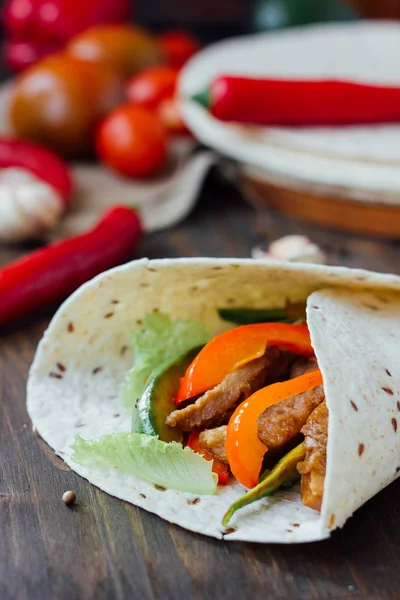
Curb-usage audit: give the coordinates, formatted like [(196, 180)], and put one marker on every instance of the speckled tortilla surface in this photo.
[(80, 363)]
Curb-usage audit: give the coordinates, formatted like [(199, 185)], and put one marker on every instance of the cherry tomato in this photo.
[(126, 49), (168, 112), (59, 101), (178, 46), (152, 85), (132, 141)]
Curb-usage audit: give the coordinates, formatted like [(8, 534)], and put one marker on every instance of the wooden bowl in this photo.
[(327, 206)]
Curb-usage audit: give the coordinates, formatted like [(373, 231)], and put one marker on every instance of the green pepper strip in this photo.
[(248, 316), (284, 472)]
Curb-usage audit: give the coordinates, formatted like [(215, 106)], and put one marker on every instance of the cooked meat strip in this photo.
[(302, 365), (216, 406), (313, 468), (213, 441), (280, 423)]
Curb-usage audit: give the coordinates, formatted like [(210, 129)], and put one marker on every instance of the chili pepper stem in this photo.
[(203, 98)]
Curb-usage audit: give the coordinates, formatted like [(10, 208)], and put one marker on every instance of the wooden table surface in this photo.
[(105, 548)]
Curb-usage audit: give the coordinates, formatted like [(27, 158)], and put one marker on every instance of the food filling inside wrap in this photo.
[(249, 403)]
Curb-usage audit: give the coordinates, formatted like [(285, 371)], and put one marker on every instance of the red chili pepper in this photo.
[(41, 162), (52, 273), (297, 102), (220, 468)]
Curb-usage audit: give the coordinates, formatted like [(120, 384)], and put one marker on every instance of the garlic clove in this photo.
[(292, 248), (28, 205)]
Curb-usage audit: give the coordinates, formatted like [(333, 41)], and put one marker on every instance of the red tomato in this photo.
[(132, 141), (178, 46), (168, 112), (151, 86)]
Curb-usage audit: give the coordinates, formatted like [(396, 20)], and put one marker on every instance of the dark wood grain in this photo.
[(103, 548)]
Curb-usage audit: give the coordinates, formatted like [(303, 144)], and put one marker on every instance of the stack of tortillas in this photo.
[(347, 177)]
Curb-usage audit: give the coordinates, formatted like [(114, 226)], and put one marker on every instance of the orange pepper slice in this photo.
[(234, 348), (220, 468), (244, 449)]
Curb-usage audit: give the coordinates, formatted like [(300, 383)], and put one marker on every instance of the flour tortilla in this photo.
[(354, 320), (362, 159)]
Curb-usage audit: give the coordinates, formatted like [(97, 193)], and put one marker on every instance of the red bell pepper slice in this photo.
[(234, 348), (220, 468), (244, 449)]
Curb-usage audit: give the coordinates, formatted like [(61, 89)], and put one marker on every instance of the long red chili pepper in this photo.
[(52, 273), (300, 102), (41, 162)]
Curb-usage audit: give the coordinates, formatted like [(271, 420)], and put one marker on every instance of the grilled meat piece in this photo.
[(213, 441), (313, 468), (302, 365), (216, 406), (282, 422)]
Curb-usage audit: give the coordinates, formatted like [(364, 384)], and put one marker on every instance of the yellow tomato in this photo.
[(59, 101), (126, 49)]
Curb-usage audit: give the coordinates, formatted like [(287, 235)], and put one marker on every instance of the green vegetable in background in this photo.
[(284, 472), (278, 14), (145, 456)]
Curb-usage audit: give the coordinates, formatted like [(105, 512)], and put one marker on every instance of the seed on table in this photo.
[(69, 497)]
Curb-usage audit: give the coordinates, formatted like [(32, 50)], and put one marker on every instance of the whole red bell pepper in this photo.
[(300, 102), (36, 28), (50, 274)]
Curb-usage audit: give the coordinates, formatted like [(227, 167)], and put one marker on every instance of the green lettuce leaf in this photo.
[(145, 456), (159, 339)]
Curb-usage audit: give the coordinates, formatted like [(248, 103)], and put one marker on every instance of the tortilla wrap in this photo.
[(362, 159), (354, 321)]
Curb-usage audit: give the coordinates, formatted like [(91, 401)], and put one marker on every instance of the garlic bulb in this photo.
[(292, 248), (28, 205)]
